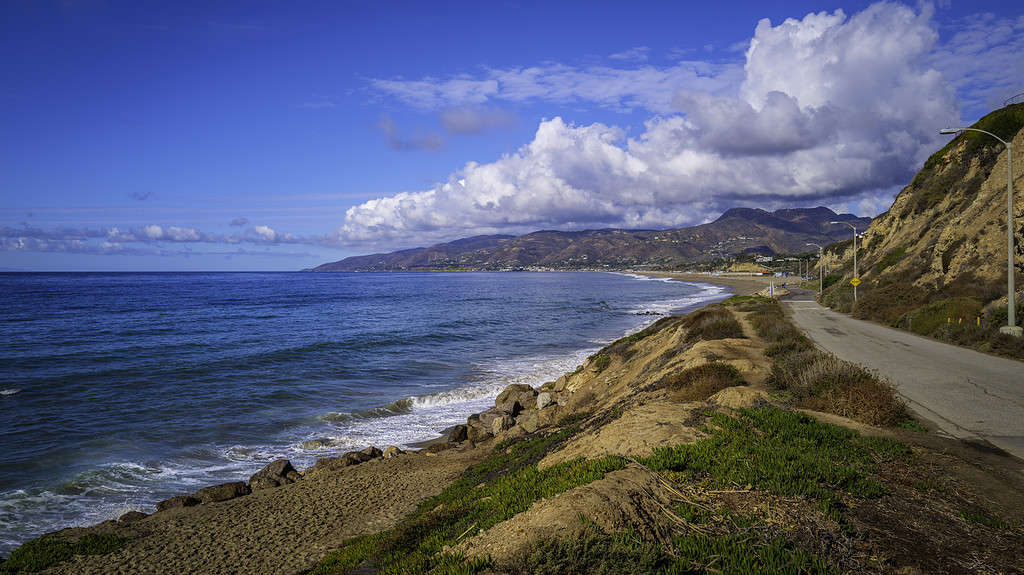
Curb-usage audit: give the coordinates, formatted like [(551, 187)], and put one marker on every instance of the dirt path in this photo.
[(282, 530)]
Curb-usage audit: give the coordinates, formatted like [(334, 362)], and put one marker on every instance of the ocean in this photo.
[(118, 390)]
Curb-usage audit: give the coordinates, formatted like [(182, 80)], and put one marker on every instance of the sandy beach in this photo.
[(739, 284)]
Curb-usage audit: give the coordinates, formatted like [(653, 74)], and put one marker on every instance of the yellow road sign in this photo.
[(855, 282)]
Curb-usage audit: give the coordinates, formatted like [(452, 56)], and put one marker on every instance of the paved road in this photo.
[(967, 394)]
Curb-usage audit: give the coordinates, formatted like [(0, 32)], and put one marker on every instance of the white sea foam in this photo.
[(9, 391), (644, 278), (662, 307), (431, 413)]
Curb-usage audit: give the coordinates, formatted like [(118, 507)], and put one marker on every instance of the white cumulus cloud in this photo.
[(265, 233), (828, 107)]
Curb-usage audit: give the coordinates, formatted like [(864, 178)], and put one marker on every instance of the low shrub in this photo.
[(601, 362), (935, 318), (782, 336), (713, 322), (830, 280), (868, 400), (701, 382), (890, 259), (889, 303), (1006, 345), (622, 343)]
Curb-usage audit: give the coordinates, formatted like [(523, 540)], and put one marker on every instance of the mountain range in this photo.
[(737, 231)]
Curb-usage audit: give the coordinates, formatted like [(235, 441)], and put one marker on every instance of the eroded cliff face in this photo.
[(949, 224)]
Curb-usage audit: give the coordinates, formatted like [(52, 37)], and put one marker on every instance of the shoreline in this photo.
[(613, 411), (423, 443), (741, 285)]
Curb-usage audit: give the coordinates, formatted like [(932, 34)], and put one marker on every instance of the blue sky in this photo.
[(277, 136)]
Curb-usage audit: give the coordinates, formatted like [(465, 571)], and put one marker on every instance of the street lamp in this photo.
[(854, 228), (821, 280), (1011, 326)]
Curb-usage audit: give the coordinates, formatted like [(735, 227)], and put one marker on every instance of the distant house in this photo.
[(763, 259)]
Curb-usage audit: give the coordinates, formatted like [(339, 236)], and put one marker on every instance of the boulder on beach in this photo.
[(560, 383), (544, 399), (550, 416), (438, 447), (354, 458), (514, 432), (392, 451), (517, 393), (457, 434), (277, 473), (372, 452), (529, 421), (347, 459), (486, 418), (132, 516), (179, 501), (477, 430), (222, 492), (501, 424), (509, 405)]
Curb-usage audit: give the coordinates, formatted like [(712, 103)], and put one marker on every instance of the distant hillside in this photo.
[(737, 231), (940, 251)]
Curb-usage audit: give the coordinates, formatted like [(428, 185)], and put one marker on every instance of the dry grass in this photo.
[(869, 401), (820, 380)]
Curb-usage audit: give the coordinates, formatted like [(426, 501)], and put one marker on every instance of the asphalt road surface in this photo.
[(967, 394)]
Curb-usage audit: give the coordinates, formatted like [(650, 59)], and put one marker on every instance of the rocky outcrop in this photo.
[(132, 516), (515, 398), (275, 474), (392, 451), (476, 430), (502, 423), (529, 421), (544, 399), (175, 502), (350, 458), (457, 434), (946, 230), (222, 492)]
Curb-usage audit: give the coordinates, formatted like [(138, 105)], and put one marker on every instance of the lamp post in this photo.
[(1011, 326), (821, 280), (854, 228)]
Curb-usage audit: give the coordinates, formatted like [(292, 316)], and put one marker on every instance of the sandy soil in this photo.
[(282, 530)]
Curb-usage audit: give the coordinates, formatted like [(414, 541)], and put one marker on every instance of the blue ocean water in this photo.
[(118, 390)]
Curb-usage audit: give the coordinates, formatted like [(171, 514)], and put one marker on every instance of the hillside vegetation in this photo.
[(935, 262)]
